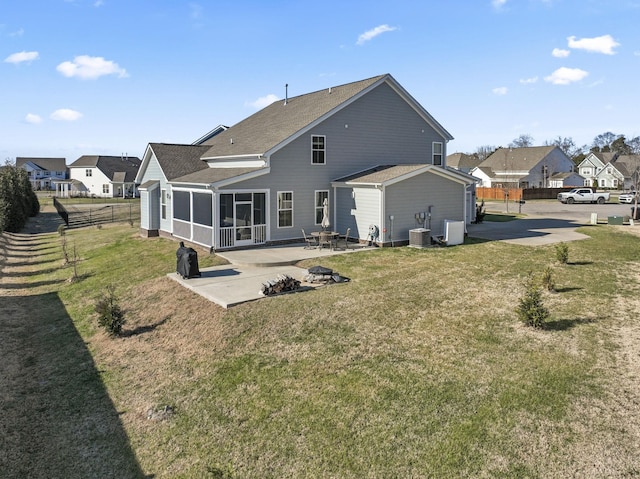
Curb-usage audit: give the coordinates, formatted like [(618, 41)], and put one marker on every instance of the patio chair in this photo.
[(343, 240), (311, 242), (325, 239)]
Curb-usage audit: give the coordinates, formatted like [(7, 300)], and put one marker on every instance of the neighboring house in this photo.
[(102, 176), (463, 162), (210, 134), (43, 172), (368, 147), (526, 167), (592, 165), (566, 179), (620, 173)]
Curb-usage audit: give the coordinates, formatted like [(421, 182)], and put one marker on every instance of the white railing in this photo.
[(227, 236)]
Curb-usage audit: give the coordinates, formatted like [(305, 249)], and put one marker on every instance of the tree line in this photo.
[(18, 201), (604, 143)]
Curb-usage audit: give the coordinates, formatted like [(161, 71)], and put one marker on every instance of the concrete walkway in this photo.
[(530, 231)]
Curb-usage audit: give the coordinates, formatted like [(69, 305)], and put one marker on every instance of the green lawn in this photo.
[(418, 367)]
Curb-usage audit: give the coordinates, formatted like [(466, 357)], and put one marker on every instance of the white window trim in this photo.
[(433, 153), (163, 203), (324, 150), (315, 206), (278, 210)]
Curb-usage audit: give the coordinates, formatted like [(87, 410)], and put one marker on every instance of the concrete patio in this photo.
[(241, 280)]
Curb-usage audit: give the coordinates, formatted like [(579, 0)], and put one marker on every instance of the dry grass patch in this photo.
[(416, 367)]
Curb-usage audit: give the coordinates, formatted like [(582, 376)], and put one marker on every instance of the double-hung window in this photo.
[(105, 189), (285, 209), (318, 150), (437, 153), (88, 172)]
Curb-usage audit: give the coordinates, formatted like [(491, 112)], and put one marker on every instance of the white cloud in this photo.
[(86, 67), (604, 44), (33, 118), (565, 76), (263, 101), (98, 3), (500, 90), (498, 3), (65, 114), (374, 32), (21, 57), (528, 81), (560, 53), (17, 33)]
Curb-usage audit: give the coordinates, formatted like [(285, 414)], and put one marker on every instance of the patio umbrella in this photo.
[(325, 214)]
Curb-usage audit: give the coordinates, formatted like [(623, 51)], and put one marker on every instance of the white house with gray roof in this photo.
[(526, 167), (368, 147), (44, 172), (101, 176)]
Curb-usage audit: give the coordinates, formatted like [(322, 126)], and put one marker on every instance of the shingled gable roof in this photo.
[(388, 174), (110, 166), (521, 159), (626, 164), (178, 160), (47, 164), (283, 121)]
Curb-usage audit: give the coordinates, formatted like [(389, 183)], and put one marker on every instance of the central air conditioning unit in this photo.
[(420, 238)]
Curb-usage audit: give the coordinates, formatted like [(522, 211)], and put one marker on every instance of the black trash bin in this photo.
[(635, 213), (187, 262)]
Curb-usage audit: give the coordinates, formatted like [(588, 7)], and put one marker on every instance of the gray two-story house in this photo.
[(368, 148), (43, 172)]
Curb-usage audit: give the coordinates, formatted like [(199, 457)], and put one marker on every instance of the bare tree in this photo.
[(602, 143), (522, 141), (483, 152), (566, 145), (634, 145)]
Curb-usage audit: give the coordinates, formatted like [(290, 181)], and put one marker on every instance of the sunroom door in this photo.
[(244, 221)]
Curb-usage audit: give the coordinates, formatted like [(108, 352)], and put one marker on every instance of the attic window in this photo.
[(437, 153), (318, 150)]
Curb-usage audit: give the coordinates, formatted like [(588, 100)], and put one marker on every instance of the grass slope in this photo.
[(418, 367)]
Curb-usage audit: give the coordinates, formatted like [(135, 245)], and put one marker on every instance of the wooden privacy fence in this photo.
[(513, 194), (517, 194)]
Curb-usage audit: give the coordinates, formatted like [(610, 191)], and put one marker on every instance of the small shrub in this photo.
[(531, 309), (480, 212), (65, 253), (110, 314), (547, 279), (562, 253)]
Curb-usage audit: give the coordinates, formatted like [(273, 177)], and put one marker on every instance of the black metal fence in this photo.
[(77, 215)]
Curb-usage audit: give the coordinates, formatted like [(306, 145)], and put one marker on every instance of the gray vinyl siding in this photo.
[(150, 209), (144, 210), (379, 128), (367, 201), (416, 194), (154, 172), (344, 217)]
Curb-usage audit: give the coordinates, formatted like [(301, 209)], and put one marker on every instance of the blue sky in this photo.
[(109, 76)]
